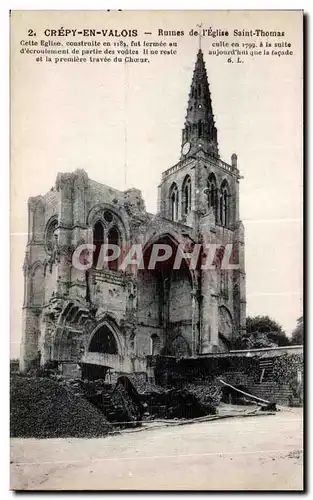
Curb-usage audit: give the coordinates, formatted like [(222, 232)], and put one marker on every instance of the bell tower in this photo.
[(201, 182), (200, 194)]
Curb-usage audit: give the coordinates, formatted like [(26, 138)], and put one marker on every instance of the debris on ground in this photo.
[(190, 401), (126, 395), (209, 394), (269, 407), (43, 408), (49, 405), (132, 400), (120, 404), (176, 403)]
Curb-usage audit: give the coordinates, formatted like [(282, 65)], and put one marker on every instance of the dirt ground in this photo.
[(252, 453)]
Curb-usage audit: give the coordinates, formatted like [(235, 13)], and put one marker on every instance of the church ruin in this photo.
[(115, 318)]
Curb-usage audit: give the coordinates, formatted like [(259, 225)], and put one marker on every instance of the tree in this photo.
[(262, 331), (297, 334)]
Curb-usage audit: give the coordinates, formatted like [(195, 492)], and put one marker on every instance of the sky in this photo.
[(122, 123)]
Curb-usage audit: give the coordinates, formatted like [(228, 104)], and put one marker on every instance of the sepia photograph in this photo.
[(156, 243)]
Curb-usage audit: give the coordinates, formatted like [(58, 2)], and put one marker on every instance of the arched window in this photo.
[(199, 90), (224, 208), (130, 303), (212, 195), (174, 202), (186, 195), (98, 240), (180, 347), (113, 239), (155, 344), (132, 342), (103, 341), (50, 235), (221, 207)]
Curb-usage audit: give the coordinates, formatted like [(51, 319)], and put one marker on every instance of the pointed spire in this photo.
[(200, 130)]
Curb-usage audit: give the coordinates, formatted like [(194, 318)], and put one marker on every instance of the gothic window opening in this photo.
[(132, 342), (50, 235), (187, 199), (212, 195), (186, 192), (180, 347), (199, 90), (113, 239), (155, 344), (130, 303), (98, 240), (174, 202), (224, 208), (103, 341), (221, 208), (224, 284)]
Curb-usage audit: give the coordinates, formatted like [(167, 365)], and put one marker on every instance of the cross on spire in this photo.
[(199, 26)]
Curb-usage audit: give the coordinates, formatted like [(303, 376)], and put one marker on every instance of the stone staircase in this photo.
[(272, 391)]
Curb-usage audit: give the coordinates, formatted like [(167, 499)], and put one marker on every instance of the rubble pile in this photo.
[(120, 404), (134, 399), (46, 404), (209, 395), (43, 408), (142, 385), (175, 403), (126, 396), (169, 403)]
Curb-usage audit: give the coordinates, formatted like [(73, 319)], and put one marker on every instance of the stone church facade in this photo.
[(115, 318)]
